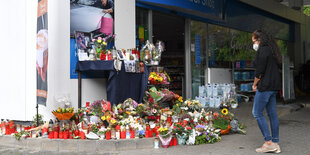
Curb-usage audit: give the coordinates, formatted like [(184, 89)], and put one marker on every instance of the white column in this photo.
[(12, 59), (125, 23), (30, 57)]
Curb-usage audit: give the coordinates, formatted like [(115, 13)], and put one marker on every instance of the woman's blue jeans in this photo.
[(262, 100)]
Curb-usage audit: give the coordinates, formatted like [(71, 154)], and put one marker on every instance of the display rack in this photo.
[(173, 65), (243, 82)]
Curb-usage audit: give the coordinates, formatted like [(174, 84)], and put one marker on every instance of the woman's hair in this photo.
[(268, 40)]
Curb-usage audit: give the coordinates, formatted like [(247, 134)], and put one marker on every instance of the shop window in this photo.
[(228, 45)]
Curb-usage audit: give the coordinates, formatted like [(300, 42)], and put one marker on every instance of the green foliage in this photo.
[(224, 54), (179, 129), (40, 117), (283, 46), (18, 135), (94, 128), (220, 123), (201, 139), (307, 10)]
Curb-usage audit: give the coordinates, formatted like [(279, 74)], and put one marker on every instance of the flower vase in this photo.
[(98, 53), (165, 141), (181, 139), (226, 131), (234, 106)]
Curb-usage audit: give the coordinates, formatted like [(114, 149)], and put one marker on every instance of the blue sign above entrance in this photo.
[(209, 7)]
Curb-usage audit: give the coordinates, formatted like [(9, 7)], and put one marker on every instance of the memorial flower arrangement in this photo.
[(222, 121), (155, 78), (100, 45), (63, 113), (96, 108), (164, 132), (185, 121), (207, 134), (193, 105)]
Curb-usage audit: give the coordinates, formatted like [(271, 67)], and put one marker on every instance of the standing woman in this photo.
[(267, 83)]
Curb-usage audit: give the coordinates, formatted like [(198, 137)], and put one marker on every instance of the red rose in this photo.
[(189, 128)]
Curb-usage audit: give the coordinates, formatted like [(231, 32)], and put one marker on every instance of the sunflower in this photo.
[(225, 111)]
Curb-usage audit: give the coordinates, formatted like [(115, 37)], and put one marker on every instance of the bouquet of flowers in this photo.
[(152, 96), (96, 108), (181, 129), (164, 132), (129, 104), (63, 113), (193, 105), (100, 46), (167, 95), (222, 121), (177, 107), (155, 78), (207, 134)]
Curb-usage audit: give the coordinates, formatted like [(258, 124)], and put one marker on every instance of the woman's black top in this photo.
[(267, 70)]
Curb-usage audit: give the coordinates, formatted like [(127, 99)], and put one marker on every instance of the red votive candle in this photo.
[(61, 135), (65, 134), (175, 141), (108, 135), (150, 133), (70, 135), (146, 133), (55, 135), (123, 134), (132, 134), (51, 135)]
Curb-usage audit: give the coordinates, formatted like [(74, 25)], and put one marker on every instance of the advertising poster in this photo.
[(89, 20), (42, 52)]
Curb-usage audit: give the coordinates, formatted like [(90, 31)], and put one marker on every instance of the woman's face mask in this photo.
[(255, 46)]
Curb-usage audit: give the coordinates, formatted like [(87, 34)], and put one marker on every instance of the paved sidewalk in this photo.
[(293, 137)]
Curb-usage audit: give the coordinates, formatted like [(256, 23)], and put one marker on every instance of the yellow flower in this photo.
[(103, 118), (99, 40), (225, 111), (180, 99), (127, 112), (104, 43), (113, 121), (108, 117), (177, 104)]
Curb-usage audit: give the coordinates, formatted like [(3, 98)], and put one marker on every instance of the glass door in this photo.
[(198, 55)]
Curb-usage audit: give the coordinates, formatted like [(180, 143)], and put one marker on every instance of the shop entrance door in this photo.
[(170, 29)]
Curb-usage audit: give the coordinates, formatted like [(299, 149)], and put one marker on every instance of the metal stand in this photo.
[(80, 90), (37, 114)]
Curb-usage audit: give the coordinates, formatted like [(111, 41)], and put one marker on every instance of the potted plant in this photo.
[(233, 104), (164, 136), (181, 132), (222, 121)]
